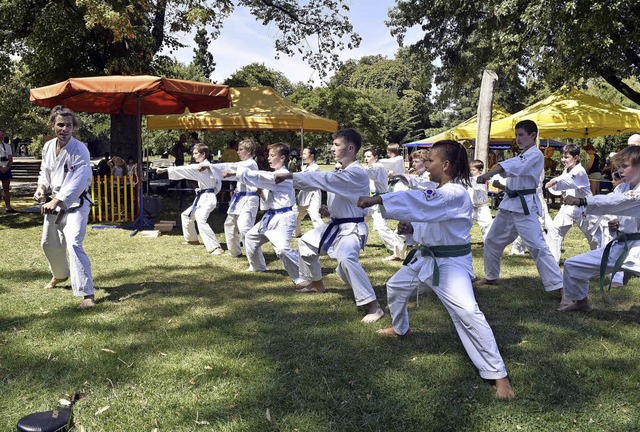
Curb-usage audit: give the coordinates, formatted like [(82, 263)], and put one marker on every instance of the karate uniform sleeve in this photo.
[(188, 172), (78, 178), (430, 205), (524, 164), (621, 204), (568, 181), (259, 179), (44, 178), (347, 182)]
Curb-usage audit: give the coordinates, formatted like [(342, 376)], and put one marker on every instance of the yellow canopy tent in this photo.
[(570, 113), (253, 108), (465, 130)]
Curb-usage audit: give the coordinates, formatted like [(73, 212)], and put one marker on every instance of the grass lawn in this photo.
[(184, 341)]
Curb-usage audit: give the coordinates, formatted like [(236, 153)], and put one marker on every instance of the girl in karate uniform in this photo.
[(439, 220)]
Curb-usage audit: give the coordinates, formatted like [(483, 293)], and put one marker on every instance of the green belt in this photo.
[(621, 237), (521, 193), (438, 252)]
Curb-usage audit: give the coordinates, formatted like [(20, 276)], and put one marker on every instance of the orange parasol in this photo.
[(139, 94)]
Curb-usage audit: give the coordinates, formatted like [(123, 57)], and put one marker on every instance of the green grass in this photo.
[(183, 341)]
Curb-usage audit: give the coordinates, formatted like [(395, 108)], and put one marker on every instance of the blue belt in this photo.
[(198, 195), (236, 196), (269, 214), (328, 238)]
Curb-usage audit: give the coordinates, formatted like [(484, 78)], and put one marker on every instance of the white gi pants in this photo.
[(561, 226), (206, 205), (505, 229), (278, 232), (346, 250), (313, 210), (482, 214), (236, 227), (580, 268), (392, 240), (456, 294), (69, 234)]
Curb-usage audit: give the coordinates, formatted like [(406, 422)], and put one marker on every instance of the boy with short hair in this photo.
[(574, 182), (244, 203), (519, 211), (279, 221), (346, 234), (479, 194)]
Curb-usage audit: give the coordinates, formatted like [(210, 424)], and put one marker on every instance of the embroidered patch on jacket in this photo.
[(632, 194), (429, 194), (522, 158)]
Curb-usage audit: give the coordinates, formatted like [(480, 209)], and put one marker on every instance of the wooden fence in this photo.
[(115, 199)]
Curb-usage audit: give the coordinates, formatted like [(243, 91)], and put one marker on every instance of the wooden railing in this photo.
[(114, 198)]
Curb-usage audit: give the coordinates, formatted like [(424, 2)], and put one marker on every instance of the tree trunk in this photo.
[(485, 106), (123, 136)]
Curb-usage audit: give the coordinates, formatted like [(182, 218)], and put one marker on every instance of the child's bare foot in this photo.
[(87, 303), (485, 281), (53, 282), (504, 391), (373, 315), (389, 331), (575, 306), (313, 287)]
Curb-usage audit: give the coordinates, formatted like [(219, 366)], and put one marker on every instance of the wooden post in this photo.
[(484, 116)]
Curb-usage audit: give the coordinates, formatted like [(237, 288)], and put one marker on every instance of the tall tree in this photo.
[(203, 59), (559, 42)]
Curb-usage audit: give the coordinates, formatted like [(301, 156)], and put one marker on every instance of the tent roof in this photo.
[(465, 130), (570, 113), (253, 108)]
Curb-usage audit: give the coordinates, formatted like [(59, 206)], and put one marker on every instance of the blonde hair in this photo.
[(248, 145), (423, 155)]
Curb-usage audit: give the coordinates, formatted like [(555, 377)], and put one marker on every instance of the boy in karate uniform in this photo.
[(519, 211), (345, 236), (279, 221), (209, 184)]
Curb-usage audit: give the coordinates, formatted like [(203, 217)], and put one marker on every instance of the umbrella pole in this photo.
[(141, 222)]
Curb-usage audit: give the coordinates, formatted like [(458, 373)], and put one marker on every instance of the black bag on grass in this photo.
[(60, 420)]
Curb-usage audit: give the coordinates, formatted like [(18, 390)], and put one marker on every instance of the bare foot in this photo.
[(504, 391), (575, 306), (303, 284), (87, 303), (392, 258), (313, 287), (389, 331), (53, 282), (373, 316), (485, 281), (192, 242)]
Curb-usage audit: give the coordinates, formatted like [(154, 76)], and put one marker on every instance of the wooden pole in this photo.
[(484, 115)]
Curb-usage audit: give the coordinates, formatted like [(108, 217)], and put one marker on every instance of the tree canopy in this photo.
[(556, 42), (57, 39)]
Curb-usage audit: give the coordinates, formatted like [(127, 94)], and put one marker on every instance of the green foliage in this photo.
[(526, 40), (258, 75), (203, 59)]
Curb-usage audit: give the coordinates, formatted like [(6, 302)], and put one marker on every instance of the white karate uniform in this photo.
[(343, 187), (67, 176), (522, 172), (279, 228), (379, 181), (207, 202), (242, 211), (394, 165), (574, 183), (481, 212), (579, 269), (309, 202), (442, 217), (420, 181)]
